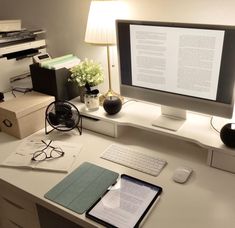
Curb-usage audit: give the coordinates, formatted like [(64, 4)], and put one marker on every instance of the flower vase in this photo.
[(92, 100)]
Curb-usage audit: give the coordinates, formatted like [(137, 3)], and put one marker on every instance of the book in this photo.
[(22, 156)]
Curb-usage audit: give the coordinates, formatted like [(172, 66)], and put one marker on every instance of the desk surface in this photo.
[(206, 200)]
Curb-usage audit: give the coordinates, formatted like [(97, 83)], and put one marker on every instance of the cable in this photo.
[(129, 101), (20, 90), (211, 123)]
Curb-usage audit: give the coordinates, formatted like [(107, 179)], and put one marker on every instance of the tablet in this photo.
[(125, 204)]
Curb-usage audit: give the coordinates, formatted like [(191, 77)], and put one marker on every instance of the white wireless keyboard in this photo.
[(133, 159)]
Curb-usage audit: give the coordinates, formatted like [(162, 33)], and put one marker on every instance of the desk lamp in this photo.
[(101, 31)]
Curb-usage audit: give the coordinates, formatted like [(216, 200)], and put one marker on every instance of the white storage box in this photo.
[(24, 115)]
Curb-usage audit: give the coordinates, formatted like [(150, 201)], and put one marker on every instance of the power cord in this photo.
[(129, 101), (212, 125), (21, 90)]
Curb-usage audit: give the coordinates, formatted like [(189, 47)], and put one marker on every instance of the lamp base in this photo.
[(109, 94)]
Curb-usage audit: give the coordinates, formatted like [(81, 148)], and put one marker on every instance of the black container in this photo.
[(112, 105), (53, 82), (227, 135)]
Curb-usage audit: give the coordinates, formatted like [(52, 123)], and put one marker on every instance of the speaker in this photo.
[(112, 105), (227, 135)]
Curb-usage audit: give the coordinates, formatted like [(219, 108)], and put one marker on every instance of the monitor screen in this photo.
[(183, 66)]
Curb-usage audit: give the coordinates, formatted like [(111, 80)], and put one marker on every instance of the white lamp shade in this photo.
[(101, 22)]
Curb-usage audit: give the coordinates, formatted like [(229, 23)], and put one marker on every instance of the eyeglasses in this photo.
[(48, 152)]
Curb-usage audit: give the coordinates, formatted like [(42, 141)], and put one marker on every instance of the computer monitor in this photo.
[(180, 66)]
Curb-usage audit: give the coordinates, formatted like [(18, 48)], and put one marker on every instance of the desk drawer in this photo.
[(99, 126), (15, 199), (15, 215), (223, 161), (8, 223), (16, 210)]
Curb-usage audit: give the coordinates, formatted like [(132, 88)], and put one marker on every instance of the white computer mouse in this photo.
[(181, 174)]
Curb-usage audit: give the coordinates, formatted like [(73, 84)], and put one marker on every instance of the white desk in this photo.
[(206, 200), (196, 129)]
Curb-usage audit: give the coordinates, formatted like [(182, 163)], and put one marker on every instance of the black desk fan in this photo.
[(63, 116)]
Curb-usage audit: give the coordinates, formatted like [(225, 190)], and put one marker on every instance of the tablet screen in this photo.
[(125, 204)]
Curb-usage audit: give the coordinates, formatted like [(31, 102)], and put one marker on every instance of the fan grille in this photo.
[(62, 115)]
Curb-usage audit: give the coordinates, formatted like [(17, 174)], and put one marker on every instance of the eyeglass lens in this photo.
[(47, 152)]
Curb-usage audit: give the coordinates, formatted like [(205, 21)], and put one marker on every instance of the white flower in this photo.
[(87, 72)]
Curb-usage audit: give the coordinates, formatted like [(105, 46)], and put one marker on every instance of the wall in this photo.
[(65, 21)]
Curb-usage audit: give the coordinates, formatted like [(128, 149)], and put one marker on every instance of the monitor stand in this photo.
[(170, 118)]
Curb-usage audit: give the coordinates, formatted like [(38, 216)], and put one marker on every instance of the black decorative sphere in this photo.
[(227, 135), (112, 105)]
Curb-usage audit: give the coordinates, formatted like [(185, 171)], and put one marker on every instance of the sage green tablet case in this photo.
[(80, 189)]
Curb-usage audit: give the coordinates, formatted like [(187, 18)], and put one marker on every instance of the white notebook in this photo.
[(22, 156)]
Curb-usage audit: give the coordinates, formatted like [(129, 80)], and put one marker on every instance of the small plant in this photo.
[(87, 73)]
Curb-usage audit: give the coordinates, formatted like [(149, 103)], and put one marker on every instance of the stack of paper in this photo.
[(10, 25), (66, 61), (22, 157)]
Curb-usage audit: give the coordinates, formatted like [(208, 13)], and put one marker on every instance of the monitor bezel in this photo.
[(180, 101)]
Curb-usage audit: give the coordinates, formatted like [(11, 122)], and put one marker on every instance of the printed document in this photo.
[(22, 157)]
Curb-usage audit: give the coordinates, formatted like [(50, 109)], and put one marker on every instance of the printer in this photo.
[(17, 46)]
